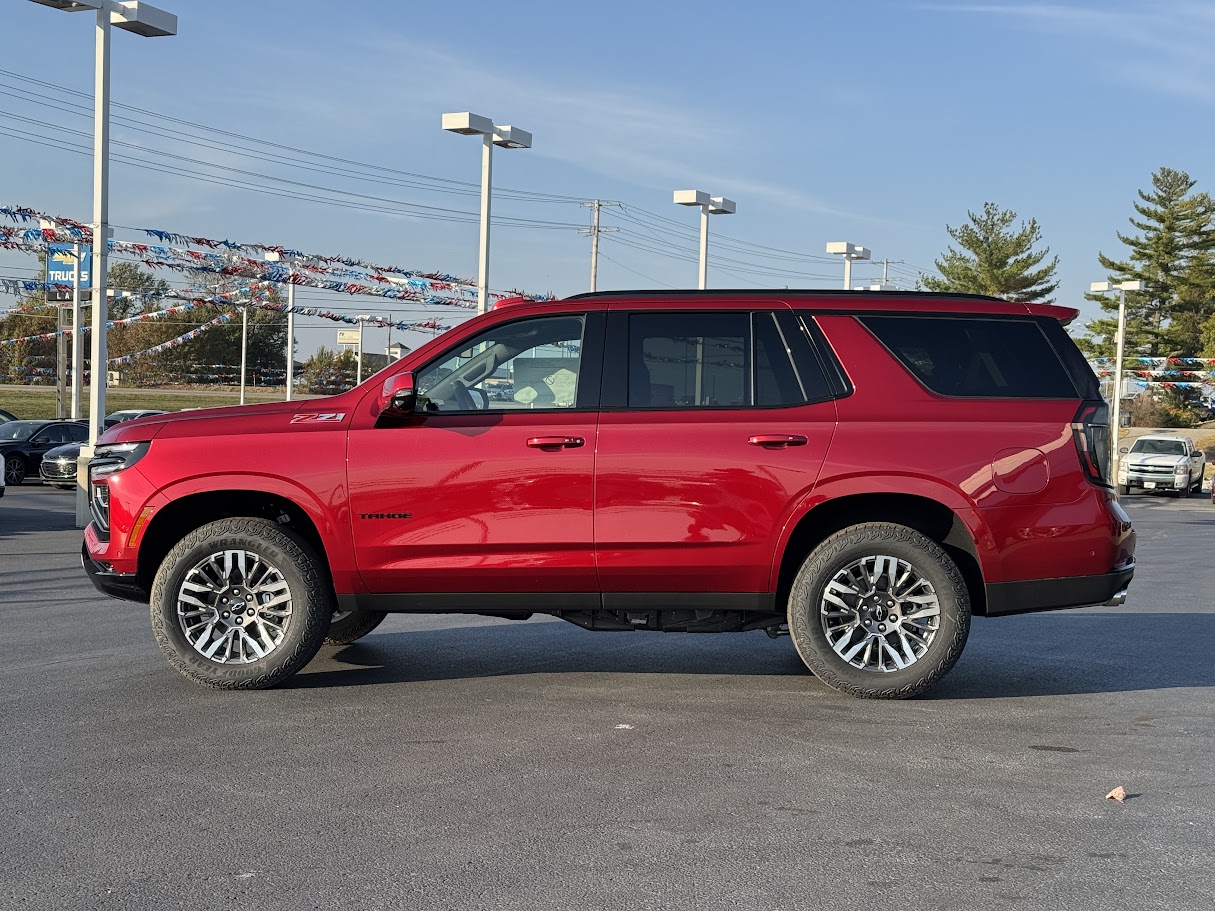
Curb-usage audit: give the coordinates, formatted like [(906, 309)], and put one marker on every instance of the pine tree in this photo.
[(999, 260), (1174, 256)]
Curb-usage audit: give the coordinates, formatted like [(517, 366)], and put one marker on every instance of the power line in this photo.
[(210, 131)]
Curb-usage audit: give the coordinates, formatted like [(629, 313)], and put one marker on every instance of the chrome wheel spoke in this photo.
[(880, 614), (234, 607)]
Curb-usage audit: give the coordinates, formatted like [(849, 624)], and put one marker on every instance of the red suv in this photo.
[(864, 471)]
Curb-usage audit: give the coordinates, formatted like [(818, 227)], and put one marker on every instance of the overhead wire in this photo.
[(210, 131)]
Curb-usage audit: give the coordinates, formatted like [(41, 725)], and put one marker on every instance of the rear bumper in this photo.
[(117, 585), (1004, 598)]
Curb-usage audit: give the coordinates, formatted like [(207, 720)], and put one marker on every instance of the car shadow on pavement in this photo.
[(1063, 653)]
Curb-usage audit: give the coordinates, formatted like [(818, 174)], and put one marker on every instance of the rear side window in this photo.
[(693, 359), (976, 357)]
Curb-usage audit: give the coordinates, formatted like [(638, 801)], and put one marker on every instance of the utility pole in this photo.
[(594, 231)]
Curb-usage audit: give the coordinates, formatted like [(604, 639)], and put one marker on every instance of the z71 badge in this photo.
[(322, 417)]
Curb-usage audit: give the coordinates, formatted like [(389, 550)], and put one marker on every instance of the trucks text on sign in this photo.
[(61, 262)]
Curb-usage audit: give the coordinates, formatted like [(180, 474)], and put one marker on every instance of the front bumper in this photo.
[(1159, 481), (124, 586), (1004, 598)]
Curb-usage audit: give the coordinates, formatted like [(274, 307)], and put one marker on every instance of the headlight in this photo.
[(1181, 469), (115, 457)]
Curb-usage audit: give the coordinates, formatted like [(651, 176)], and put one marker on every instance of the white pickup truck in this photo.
[(1161, 462)]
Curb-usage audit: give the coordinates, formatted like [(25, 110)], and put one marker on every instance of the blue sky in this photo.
[(876, 123)]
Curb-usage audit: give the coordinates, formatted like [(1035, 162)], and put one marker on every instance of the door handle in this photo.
[(777, 440), (552, 444)]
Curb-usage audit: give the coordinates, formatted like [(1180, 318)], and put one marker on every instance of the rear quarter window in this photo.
[(975, 357)]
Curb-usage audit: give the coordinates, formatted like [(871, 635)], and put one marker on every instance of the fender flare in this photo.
[(843, 486)]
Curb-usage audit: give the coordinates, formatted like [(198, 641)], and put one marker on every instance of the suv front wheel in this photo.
[(241, 603), (880, 611)]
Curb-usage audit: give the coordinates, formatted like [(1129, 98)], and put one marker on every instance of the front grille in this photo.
[(59, 470), (1152, 469)]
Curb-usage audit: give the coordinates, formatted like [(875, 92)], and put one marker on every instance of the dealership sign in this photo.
[(61, 262)]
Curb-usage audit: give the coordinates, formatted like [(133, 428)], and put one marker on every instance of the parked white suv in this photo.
[(1161, 462)]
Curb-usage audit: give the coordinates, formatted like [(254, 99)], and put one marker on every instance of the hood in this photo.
[(1135, 459), (200, 421), (66, 451)]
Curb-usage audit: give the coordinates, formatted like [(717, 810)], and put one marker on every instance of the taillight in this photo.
[(1091, 433)]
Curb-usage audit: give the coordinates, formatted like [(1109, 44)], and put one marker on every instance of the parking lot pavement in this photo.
[(464, 763)]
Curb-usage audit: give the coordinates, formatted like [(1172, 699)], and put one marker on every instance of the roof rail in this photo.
[(781, 293)]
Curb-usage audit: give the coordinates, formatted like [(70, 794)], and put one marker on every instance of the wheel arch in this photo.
[(925, 514), (177, 518)]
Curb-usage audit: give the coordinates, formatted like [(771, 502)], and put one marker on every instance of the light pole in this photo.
[(849, 252), (709, 205), (506, 136), (149, 22), (274, 257), (1121, 288)]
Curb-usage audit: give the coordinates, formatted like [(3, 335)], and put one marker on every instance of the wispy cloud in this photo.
[(631, 135), (1162, 46)]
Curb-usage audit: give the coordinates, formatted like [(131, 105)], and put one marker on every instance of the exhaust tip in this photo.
[(1118, 600)]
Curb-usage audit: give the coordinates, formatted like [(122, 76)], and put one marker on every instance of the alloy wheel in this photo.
[(234, 607), (14, 470), (880, 614)]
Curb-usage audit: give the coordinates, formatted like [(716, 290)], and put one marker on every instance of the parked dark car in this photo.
[(6, 416), (120, 417), (24, 443), (59, 466)]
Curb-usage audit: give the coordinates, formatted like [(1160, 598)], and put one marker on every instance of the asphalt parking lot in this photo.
[(455, 763)]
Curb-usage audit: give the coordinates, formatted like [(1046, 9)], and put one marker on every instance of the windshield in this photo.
[(1159, 447), (18, 430)]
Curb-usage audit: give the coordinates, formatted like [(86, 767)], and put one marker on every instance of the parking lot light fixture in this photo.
[(709, 205), (149, 22), (466, 123), (1119, 346), (850, 252)]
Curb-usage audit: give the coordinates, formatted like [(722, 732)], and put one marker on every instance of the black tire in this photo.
[(350, 626), (312, 602), (14, 470), (929, 561), (1124, 490)]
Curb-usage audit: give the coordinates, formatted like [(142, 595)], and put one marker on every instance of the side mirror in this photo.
[(398, 395), (1124, 450)]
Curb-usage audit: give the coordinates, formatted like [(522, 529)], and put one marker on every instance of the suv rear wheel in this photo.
[(880, 611), (241, 603), (351, 625)]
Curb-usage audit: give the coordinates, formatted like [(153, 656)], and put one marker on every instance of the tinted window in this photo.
[(55, 433), (689, 360), (776, 382), (77, 433), (527, 364), (820, 373), (979, 358)]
